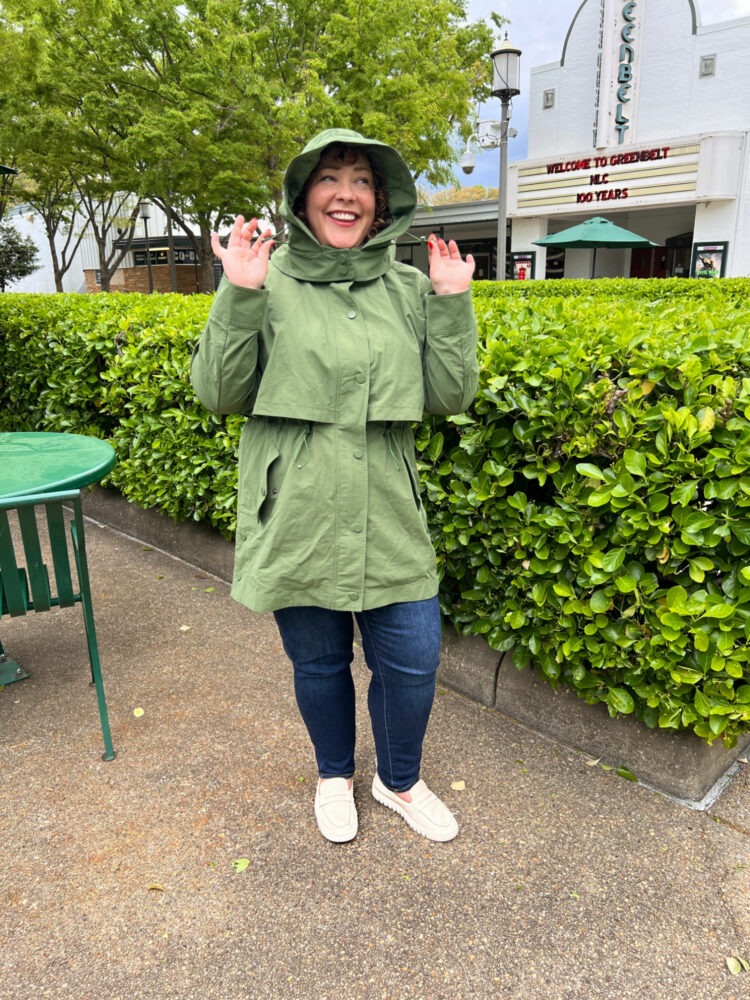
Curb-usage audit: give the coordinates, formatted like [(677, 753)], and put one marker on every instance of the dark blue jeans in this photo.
[(401, 643)]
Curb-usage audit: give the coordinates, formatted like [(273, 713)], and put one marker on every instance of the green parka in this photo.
[(333, 361)]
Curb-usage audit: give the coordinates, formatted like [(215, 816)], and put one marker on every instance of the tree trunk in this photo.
[(104, 272), (53, 254), (207, 258)]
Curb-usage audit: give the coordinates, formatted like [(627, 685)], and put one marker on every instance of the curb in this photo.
[(675, 764)]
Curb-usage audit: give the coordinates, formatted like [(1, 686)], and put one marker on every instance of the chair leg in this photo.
[(9, 670), (79, 548), (96, 673)]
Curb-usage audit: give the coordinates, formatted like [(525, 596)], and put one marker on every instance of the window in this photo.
[(708, 66), (548, 99)]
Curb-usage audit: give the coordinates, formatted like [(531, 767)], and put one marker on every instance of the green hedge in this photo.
[(591, 512), (116, 366)]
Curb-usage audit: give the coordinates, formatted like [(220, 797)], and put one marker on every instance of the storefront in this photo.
[(643, 121)]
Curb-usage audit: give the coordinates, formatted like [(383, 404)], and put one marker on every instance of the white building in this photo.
[(644, 121), (30, 224)]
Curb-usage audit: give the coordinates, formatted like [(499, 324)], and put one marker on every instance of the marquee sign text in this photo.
[(591, 162), (625, 71), (598, 180)]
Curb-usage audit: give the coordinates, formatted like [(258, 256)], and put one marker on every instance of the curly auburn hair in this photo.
[(349, 154)]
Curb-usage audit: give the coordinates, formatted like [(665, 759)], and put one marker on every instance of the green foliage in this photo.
[(18, 255), (116, 366), (201, 105), (590, 512)]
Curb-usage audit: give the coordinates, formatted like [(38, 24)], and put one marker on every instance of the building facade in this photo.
[(643, 121)]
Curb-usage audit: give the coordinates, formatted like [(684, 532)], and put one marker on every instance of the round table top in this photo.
[(42, 462)]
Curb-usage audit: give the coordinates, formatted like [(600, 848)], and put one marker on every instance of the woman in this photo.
[(334, 351)]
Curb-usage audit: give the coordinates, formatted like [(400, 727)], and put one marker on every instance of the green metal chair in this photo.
[(24, 589)]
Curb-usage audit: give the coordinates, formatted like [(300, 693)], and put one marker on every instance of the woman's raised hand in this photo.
[(245, 260), (449, 273)]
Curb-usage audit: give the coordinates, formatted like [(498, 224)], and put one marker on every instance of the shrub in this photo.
[(590, 512)]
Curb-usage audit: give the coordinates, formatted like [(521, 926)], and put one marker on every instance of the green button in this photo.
[(357, 528), (353, 595), (361, 378), (351, 315), (358, 453)]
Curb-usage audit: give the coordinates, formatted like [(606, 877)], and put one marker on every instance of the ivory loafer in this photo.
[(425, 814), (335, 810)]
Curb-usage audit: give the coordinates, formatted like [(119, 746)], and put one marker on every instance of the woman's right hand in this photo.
[(245, 261)]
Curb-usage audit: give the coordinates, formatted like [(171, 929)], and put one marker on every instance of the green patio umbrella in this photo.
[(592, 234), (7, 170)]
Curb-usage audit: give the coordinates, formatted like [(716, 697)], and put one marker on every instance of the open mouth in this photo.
[(343, 218)]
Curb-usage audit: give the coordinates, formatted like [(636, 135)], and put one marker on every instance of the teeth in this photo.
[(343, 216)]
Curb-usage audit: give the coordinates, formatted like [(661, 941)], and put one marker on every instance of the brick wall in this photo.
[(135, 279)]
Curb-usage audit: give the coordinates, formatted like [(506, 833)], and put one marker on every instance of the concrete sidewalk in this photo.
[(117, 880)]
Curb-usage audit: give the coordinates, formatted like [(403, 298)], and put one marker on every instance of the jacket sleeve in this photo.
[(224, 366), (451, 372)]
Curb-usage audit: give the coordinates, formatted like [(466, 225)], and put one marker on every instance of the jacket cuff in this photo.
[(243, 308), (448, 313)]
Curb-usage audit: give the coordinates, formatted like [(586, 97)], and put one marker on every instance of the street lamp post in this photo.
[(146, 215), (506, 75)]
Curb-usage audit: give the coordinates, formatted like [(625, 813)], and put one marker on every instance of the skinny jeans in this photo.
[(401, 644)]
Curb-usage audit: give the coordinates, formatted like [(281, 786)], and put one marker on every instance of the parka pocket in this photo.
[(269, 485), (413, 481)]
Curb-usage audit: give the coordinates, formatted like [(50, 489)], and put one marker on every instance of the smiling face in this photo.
[(340, 200)]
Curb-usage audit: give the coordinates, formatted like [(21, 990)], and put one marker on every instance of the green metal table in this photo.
[(40, 462)]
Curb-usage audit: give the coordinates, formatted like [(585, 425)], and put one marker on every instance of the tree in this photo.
[(18, 255), (200, 105), (456, 195), (46, 186)]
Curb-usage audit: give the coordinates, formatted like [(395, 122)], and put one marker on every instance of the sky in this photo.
[(538, 28)]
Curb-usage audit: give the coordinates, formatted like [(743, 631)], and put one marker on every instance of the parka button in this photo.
[(351, 315), (353, 595), (358, 453), (357, 528), (361, 378)]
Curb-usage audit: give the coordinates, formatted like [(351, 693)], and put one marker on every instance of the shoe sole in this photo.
[(384, 801)]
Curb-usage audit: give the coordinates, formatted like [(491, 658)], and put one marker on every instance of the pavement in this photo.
[(121, 880)]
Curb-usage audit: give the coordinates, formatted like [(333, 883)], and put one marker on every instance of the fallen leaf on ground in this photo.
[(240, 864), (156, 887), (137, 712), (458, 786), (184, 628), (593, 763), (625, 773)]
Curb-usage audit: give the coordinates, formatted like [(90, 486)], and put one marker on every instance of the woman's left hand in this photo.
[(449, 273)]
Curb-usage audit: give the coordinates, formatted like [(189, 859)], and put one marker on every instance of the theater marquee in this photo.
[(654, 175)]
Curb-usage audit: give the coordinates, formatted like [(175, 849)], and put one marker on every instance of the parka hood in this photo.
[(303, 257)]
